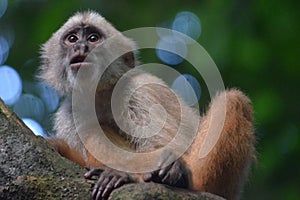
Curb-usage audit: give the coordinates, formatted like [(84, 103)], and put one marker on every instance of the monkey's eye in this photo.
[(72, 38), (93, 38)]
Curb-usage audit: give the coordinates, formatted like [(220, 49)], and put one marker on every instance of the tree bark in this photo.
[(31, 169)]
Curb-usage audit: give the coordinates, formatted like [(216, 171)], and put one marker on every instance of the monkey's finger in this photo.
[(103, 181), (109, 187), (166, 178), (99, 195), (174, 175), (171, 169), (167, 159), (162, 172), (97, 188), (93, 172), (96, 193), (121, 181), (171, 179), (164, 158), (147, 177), (106, 193)]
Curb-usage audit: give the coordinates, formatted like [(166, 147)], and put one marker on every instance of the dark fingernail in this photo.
[(99, 197), (86, 175), (106, 193), (118, 183), (94, 194)]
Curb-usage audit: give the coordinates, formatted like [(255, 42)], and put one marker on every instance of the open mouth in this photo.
[(79, 61)]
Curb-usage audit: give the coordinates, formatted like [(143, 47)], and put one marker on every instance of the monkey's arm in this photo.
[(72, 154), (66, 151)]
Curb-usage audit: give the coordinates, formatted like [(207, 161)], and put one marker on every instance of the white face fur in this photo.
[(85, 37)]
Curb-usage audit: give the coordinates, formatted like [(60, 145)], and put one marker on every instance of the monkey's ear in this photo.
[(129, 59)]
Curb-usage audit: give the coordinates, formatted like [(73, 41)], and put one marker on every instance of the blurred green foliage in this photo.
[(255, 44)]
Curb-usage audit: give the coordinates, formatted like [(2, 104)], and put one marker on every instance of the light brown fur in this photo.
[(223, 171)]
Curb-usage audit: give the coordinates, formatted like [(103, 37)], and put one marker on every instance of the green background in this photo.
[(255, 44)]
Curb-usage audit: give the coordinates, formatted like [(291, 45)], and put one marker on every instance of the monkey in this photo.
[(142, 117)]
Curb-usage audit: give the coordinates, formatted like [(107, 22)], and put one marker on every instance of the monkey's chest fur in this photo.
[(138, 115), (141, 120)]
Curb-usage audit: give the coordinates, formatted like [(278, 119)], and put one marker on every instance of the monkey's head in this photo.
[(86, 40)]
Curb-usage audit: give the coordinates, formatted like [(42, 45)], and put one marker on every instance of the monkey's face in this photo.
[(78, 43), (87, 49), (86, 45)]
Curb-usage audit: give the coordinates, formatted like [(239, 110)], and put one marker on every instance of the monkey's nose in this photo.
[(81, 48)]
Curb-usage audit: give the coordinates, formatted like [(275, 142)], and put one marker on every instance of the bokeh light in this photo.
[(34, 126), (7, 32), (164, 28), (49, 97), (30, 106), (10, 85), (187, 23), (171, 44), (4, 50), (188, 88), (3, 7)]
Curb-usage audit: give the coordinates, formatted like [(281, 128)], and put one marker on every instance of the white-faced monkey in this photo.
[(222, 171)]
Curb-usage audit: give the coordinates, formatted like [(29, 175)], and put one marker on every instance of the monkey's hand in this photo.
[(174, 174), (108, 180)]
